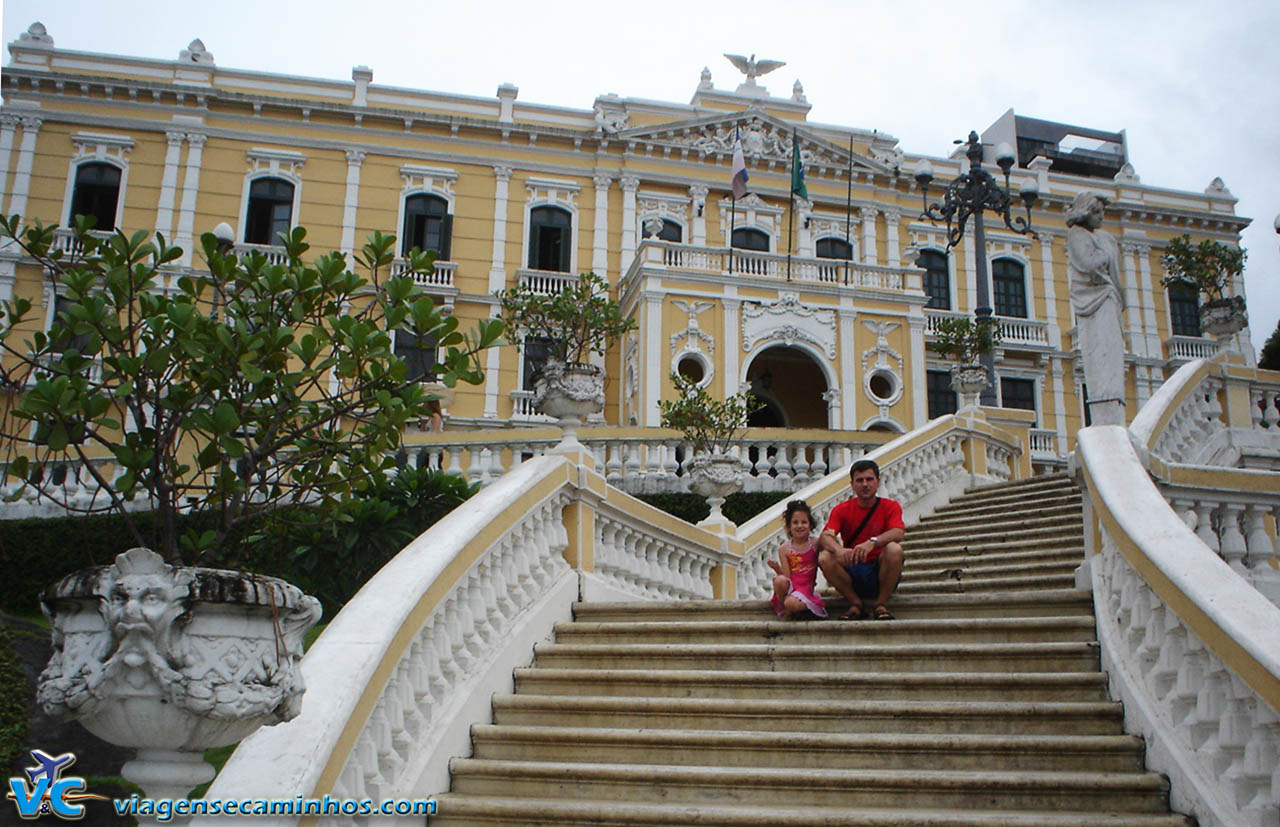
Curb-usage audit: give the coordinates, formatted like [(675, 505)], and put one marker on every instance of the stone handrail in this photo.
[(922, 470), (1191, 650), (1013, 330), (412, 661)]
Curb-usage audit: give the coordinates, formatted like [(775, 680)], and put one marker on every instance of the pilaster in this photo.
[(8, 125), (22, 172), (185, 235), (630, 184), (653, 360), (600, 232), (919, 389), (502, 191), (1050, 287), (732, 339), (868, 216), (892, 218), (169, 183), (351, 198), (698, 202), (1132, 301)]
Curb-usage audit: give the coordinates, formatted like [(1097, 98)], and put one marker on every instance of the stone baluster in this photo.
[(1270, 416), (1232, 542), (782, 463), (1204, 524)]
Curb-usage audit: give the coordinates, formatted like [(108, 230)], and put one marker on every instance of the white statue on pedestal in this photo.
[(1097, 296)]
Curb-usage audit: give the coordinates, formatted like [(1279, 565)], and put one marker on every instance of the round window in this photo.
[(691, 368), (883, 385)]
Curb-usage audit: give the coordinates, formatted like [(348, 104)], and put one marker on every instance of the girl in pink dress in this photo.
[(797, 566)]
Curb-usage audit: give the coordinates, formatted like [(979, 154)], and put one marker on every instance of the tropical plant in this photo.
[(1208, 266), (1269, 359), (234, 391), (964, 339), (711, 425), (578, 320)]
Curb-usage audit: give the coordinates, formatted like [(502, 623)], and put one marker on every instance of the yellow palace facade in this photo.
[(826, 313)]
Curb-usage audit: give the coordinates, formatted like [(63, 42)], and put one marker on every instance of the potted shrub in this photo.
[(711, 426), (1209, 267), (232, 395), (579, 320), (966, 341)]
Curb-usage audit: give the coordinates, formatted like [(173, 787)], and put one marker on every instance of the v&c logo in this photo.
[(45, 791)]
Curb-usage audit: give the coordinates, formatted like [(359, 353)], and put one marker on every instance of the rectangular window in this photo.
[(1184, 310), (942, 399), (1018, 393), (418, 355), (534, 356), (1009, 287)]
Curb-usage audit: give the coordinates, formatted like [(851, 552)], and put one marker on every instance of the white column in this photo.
[(848, 367), (1050, 288), (868, 215), (653, 362), (8, 125), (630, 184), (22, 172), (169, 184), (498, 269), (919, 389), (493, 362), (600, 232), (971, 272), (1133, 308), (892, 217), (732, 340), (804, 240), (351, 198), (1059, 390), (185, 237), (698, 203), (1150, 330), (8, 276)]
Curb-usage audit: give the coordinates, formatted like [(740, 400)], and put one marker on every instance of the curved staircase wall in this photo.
[(1176, 544)]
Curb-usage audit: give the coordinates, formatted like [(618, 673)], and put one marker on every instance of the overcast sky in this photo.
[(1193, 83)]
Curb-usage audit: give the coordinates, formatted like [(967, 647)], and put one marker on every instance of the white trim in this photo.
[(419, 180), (273, 170), (546, 192), (94, 157), (1028, 296), (823, 361)]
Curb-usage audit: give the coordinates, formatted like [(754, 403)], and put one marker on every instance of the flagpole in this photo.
[(791, 222), (733, 208), (848, 214)]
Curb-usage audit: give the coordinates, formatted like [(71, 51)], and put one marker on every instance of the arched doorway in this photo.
[(791, 384)]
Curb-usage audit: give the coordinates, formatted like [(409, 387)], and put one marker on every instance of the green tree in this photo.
[(1270, 357), (578, 320), (232, 391), (711, 425), (965, 339), (1208, 266)]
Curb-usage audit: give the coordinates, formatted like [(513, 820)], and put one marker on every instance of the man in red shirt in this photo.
[(861, 555)]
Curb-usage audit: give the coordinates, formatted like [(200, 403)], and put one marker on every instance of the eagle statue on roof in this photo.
[(753, 68)]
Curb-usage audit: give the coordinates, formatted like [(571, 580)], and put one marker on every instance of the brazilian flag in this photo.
[(797, 171)]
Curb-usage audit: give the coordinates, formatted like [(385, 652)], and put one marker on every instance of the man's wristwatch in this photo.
[(874, 543)]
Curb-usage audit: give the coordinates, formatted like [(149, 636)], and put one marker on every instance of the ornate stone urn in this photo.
[(173, 660), (968, 381), (715, 476), (570, 392), (1224, 317)]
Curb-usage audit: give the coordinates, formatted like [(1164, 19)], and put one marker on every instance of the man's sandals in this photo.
[(857, 612), (881, 612)]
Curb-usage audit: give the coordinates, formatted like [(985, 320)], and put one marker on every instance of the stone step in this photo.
[(1028, 505), (987, 532), (917, 561), (1001, 517), (818, 687), (1043, 481), (664, 783), (930, 657), (811, 750), (913, 607), (1064, 564), (853, 716), (988, 584), (786, 633), (456, 810)]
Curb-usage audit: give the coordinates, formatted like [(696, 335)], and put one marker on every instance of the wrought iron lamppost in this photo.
[(972, 194)]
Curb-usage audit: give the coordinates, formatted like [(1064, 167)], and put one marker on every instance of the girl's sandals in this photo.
[(881, 612), (855, 612)]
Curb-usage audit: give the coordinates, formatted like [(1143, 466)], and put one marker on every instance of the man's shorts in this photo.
[(866, 578)]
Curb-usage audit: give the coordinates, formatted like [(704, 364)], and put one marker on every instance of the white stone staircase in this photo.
[(983, 704)]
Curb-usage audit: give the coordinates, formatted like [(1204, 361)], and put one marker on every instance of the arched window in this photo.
[(427, 225), (270, 210), (834, 248), (1009, 288), (550, 239), (671, 231), (97, 191), (749, 238), (937, 279), (1184, 310)]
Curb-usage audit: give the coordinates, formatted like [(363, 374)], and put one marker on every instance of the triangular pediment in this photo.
[(765, 137)]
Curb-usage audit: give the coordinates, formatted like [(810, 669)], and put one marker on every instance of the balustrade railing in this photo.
[(441, 277), (1044, 443), (275, 254), (64, 240), (669, 255), (1190, 347), (546, 281), (1013, 331)]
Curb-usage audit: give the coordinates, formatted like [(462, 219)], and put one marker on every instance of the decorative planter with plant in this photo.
[(1209, 267), (232, 396), (966, 341), (711, 426), (579, 320)]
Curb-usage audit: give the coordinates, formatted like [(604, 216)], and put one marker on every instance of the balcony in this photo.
[(1179, 349), (546, 282), (665, 255), (439, 279), (64, 240), (1014, 332), (275, 254)]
